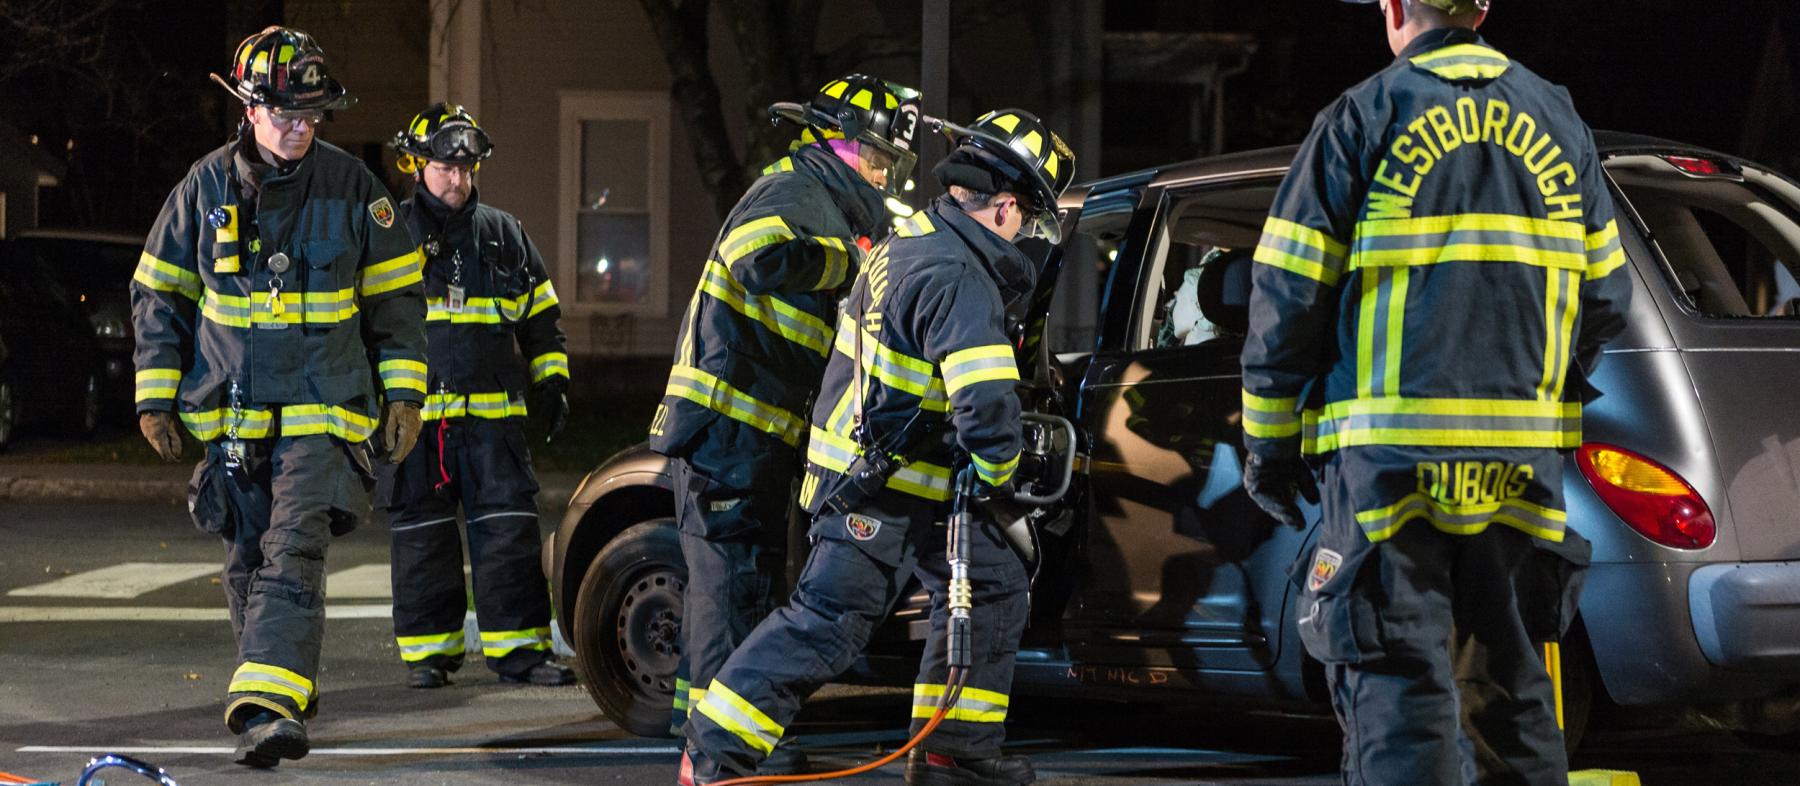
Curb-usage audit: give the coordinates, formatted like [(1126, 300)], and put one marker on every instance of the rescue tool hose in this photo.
[(955, 678), (957, 651)]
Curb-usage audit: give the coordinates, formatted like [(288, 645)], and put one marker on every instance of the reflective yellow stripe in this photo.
[(300, 420), (713, 393), (227, 265), (1301, 250), (989, 363), (973, 705), (228, 232), (837, 262), (1464, 61), (397, 273), (782, 165), (549, 364), (253, 677), (1441, 422), (919, 478), (1604, 251), (1565, 331), (681, 693), (1271, 418), (489, 406), (313, 308), (747, 237), (1468, 237), (476, 310), (214, 423), (542, 298), (417, 648), (726, 708), (157, 384), (995, 474), (893, 368), (165, 277), (790, 322), (1562, 293), (403, 374), (1464, 519), (917, 226), (500, 643)]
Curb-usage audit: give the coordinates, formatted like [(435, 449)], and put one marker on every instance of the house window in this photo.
[(614, 202)]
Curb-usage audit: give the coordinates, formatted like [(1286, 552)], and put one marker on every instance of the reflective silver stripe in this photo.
[(418, 651), (1481, 237), (718, 706), (422, 524), (516, 514), (1533, 519)]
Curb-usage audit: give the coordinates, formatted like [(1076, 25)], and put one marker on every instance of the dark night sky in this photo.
[(1682, 69)]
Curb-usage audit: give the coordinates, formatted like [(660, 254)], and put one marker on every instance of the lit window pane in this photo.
[(612, 257)]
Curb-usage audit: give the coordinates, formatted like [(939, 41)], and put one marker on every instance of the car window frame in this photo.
[(1143, 316)]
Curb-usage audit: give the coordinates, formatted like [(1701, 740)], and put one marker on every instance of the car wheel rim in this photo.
[(648, 630), (7, 415), (90, 404)]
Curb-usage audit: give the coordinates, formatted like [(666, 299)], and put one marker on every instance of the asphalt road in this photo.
[(143, 671)]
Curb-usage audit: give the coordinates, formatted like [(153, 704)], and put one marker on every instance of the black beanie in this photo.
[(979, 171)]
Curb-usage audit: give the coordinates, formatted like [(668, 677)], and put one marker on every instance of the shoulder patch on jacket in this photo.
[(382, 211)]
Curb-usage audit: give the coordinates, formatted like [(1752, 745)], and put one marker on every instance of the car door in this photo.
[(1181, 568)]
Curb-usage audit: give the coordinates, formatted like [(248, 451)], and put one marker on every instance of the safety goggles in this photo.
[(459, 142), (1039, 223)]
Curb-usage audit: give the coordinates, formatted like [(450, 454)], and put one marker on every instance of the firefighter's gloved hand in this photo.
[(1275, 483), (1014, 518), (550, 406), (400, 427), (160, 431)]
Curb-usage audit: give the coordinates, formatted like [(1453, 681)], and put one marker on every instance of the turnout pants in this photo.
[(858, 568), (276, 512), (1385, 619), (484, 467), (729, 537)]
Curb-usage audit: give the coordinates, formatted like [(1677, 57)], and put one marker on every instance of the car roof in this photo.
[(1275, 161), (84, 235)]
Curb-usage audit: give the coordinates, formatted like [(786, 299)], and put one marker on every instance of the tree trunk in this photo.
[(680, 27)]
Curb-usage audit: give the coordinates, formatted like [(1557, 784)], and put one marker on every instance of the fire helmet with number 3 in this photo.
[(879, 114), (445, 133), (284, 68), (1017, 146)]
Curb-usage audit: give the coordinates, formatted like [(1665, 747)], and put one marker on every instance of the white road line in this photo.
[(362, 581), (125, 580), (483, 751), (167, 613)]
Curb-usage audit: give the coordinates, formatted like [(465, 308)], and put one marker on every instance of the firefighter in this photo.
[(486, 290), (1435, 280), (753, 346), (921, 369), (277, 306)]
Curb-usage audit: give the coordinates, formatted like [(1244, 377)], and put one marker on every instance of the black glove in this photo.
[(1013, 518), (550, 406), (1274, 483)]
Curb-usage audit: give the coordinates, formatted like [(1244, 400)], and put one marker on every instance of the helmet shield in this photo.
[(882, 117)]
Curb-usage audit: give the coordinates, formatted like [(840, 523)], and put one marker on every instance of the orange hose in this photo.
[(957, 678)]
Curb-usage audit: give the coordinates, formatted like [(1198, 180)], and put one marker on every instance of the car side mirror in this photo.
[(1225, 291)]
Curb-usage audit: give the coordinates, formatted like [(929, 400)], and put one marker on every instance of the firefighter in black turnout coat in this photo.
[(753, 345), (275, 291), (492, 324), (921, 371)]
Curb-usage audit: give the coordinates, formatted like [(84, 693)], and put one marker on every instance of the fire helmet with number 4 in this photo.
[(445, 133), (878, 114), (1022, 154), (284, 68)]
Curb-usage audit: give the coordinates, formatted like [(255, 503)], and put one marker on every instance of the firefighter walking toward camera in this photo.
[(921, 369), (752, 348), (274, 279), (1436, 279), (489, 300)]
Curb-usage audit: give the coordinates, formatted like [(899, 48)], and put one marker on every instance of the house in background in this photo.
[(24, 168)]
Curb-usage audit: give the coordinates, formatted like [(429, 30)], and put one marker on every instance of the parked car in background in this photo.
[(1162, 582), (52, 368), (95, 268)]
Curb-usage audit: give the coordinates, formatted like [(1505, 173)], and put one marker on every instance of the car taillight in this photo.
[(1649, 497)]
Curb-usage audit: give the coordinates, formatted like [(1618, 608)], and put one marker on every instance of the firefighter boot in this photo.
[(936, 769), (268, 738), (786, 759), (426, 676), (546, 672), (697, 770)]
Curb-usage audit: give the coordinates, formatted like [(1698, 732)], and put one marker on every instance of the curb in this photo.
[(554, 492)]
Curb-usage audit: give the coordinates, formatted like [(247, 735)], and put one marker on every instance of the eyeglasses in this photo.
[(285, 119)]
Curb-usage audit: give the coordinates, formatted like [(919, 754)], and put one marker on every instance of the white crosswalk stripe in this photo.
[(362, 581), (122, 581)]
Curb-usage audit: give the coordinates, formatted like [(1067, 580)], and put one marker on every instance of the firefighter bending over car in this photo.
[(488, 299), (1436, 279), (275, 291), (921, 369), (752, 348)]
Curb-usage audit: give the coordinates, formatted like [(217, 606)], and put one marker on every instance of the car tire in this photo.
[(627, 626), (1580, 688), (9, 412)]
